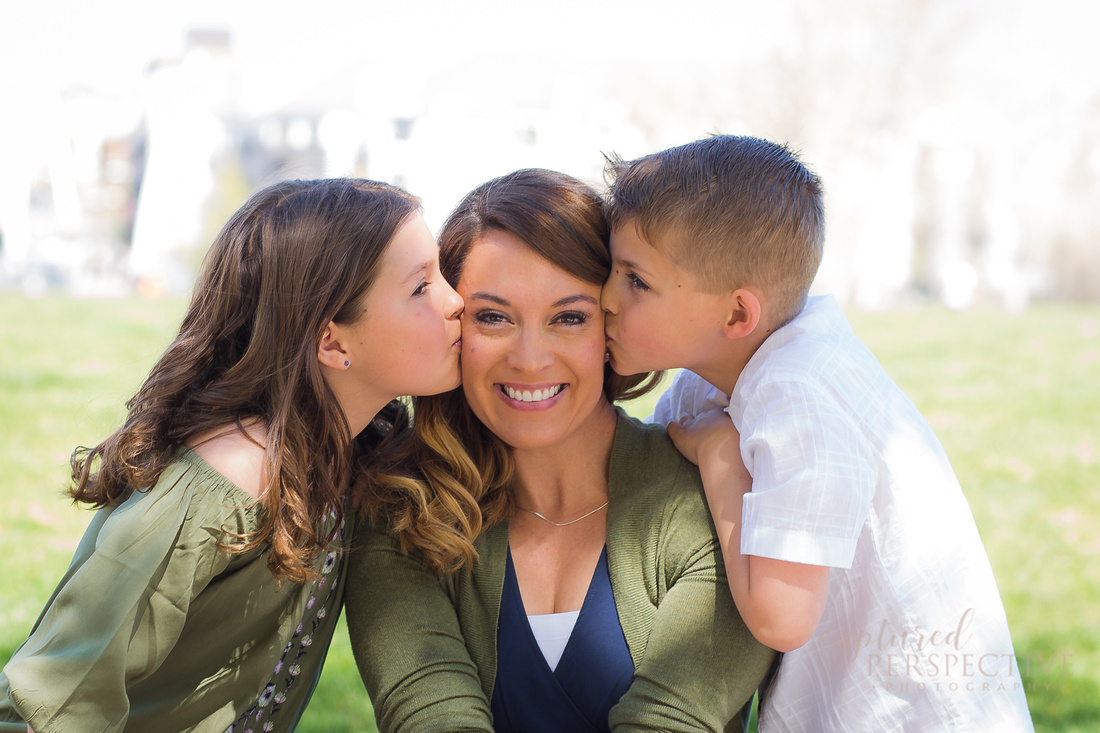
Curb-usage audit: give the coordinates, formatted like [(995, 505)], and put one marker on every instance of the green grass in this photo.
[(1015, 400)]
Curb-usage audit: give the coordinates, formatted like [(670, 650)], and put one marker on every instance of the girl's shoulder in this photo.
[(192, 509), (238, 453)]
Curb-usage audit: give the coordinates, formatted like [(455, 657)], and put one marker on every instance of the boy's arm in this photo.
[(781, 602), (688, 394)]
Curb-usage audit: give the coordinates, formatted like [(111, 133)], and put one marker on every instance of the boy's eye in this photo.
[(572, 318), (636, 282)]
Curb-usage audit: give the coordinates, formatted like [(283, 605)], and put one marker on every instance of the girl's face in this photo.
[(409, 338), (533, 344)]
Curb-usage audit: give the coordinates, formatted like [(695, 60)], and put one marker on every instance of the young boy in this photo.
[(848, 542)]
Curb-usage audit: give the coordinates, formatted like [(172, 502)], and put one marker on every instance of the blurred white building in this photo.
[(959, 142)]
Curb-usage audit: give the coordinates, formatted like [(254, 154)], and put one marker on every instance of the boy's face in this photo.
[(657, 318)]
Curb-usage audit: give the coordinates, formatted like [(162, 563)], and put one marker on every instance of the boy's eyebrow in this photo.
[(628, 264)]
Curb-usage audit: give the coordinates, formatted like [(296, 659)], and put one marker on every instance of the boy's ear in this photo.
[(330, 351), (743, 314)]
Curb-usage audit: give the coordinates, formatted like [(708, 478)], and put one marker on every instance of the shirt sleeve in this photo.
[(813, 476), (116, 614), (701, 664), (408, 644), (689, 394)]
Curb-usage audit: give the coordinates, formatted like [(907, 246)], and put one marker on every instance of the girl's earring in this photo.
[(347, 363)]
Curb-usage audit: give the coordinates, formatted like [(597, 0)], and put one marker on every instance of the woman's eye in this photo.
[(572, 318), (490, 318), (636, 282)]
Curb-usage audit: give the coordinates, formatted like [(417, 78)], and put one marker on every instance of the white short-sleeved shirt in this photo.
[(847, 474)]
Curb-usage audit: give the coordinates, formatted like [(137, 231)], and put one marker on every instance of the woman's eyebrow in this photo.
[(578, 298), (489, 297), (567, 300)]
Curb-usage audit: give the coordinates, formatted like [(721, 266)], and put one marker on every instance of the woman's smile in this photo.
[(527, 397), (532, 344)]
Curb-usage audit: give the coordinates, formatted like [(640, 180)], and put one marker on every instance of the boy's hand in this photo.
[(706, 435)]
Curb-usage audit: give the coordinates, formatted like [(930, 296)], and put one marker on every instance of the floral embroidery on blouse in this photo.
[(285, 674)]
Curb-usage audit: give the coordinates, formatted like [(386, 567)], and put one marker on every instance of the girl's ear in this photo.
[(743, 314), (331, 351)]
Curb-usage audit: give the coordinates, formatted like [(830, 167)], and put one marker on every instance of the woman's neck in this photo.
[(571, 476)]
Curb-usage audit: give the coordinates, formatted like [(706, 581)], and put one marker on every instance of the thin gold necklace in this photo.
[(571, 521)]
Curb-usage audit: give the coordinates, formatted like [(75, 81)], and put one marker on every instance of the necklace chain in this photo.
[(571, 521)]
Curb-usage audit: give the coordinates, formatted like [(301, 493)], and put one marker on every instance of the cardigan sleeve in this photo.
[(701, 664), (408, 643), (697, 664)]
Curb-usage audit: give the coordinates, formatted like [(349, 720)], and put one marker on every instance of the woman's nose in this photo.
[(530, 353)]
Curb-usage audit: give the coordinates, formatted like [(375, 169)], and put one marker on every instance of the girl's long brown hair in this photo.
[(296, 256), (440, 489)]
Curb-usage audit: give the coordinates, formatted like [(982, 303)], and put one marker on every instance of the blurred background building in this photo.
[(959, 140)]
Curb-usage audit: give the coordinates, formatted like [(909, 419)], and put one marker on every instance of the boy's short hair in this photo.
[(733, 211)]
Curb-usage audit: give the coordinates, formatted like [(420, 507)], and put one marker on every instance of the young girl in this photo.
[(204, 593)]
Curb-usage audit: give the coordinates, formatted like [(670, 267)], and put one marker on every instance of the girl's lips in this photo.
[(531, 398)]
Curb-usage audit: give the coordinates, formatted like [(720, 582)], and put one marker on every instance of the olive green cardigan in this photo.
[(426, 646)]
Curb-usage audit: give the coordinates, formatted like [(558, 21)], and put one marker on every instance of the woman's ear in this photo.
[(331, 351), (744, 312)]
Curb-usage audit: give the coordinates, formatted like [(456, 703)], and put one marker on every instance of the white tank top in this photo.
[(552, 632)]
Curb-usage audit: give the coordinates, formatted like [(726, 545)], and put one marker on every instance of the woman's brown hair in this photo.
[(296, 256), (450, 480)]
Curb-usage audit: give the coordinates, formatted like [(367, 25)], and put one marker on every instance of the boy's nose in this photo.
[(607, 299)]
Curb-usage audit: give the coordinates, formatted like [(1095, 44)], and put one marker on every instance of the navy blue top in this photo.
[(594, 671)]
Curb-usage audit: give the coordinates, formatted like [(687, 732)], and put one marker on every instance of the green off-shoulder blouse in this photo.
[(154, 628)]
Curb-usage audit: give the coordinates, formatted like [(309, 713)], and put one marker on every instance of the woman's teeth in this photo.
[(526, 395)]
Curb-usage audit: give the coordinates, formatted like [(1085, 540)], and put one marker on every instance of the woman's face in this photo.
[(532, 344)]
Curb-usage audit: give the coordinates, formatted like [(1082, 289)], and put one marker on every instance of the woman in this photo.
[(594, 598), (205, 591)]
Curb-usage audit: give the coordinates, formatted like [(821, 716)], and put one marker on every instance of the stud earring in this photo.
[(347, 363)]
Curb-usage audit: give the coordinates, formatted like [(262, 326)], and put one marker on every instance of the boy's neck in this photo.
[(725, 366)]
